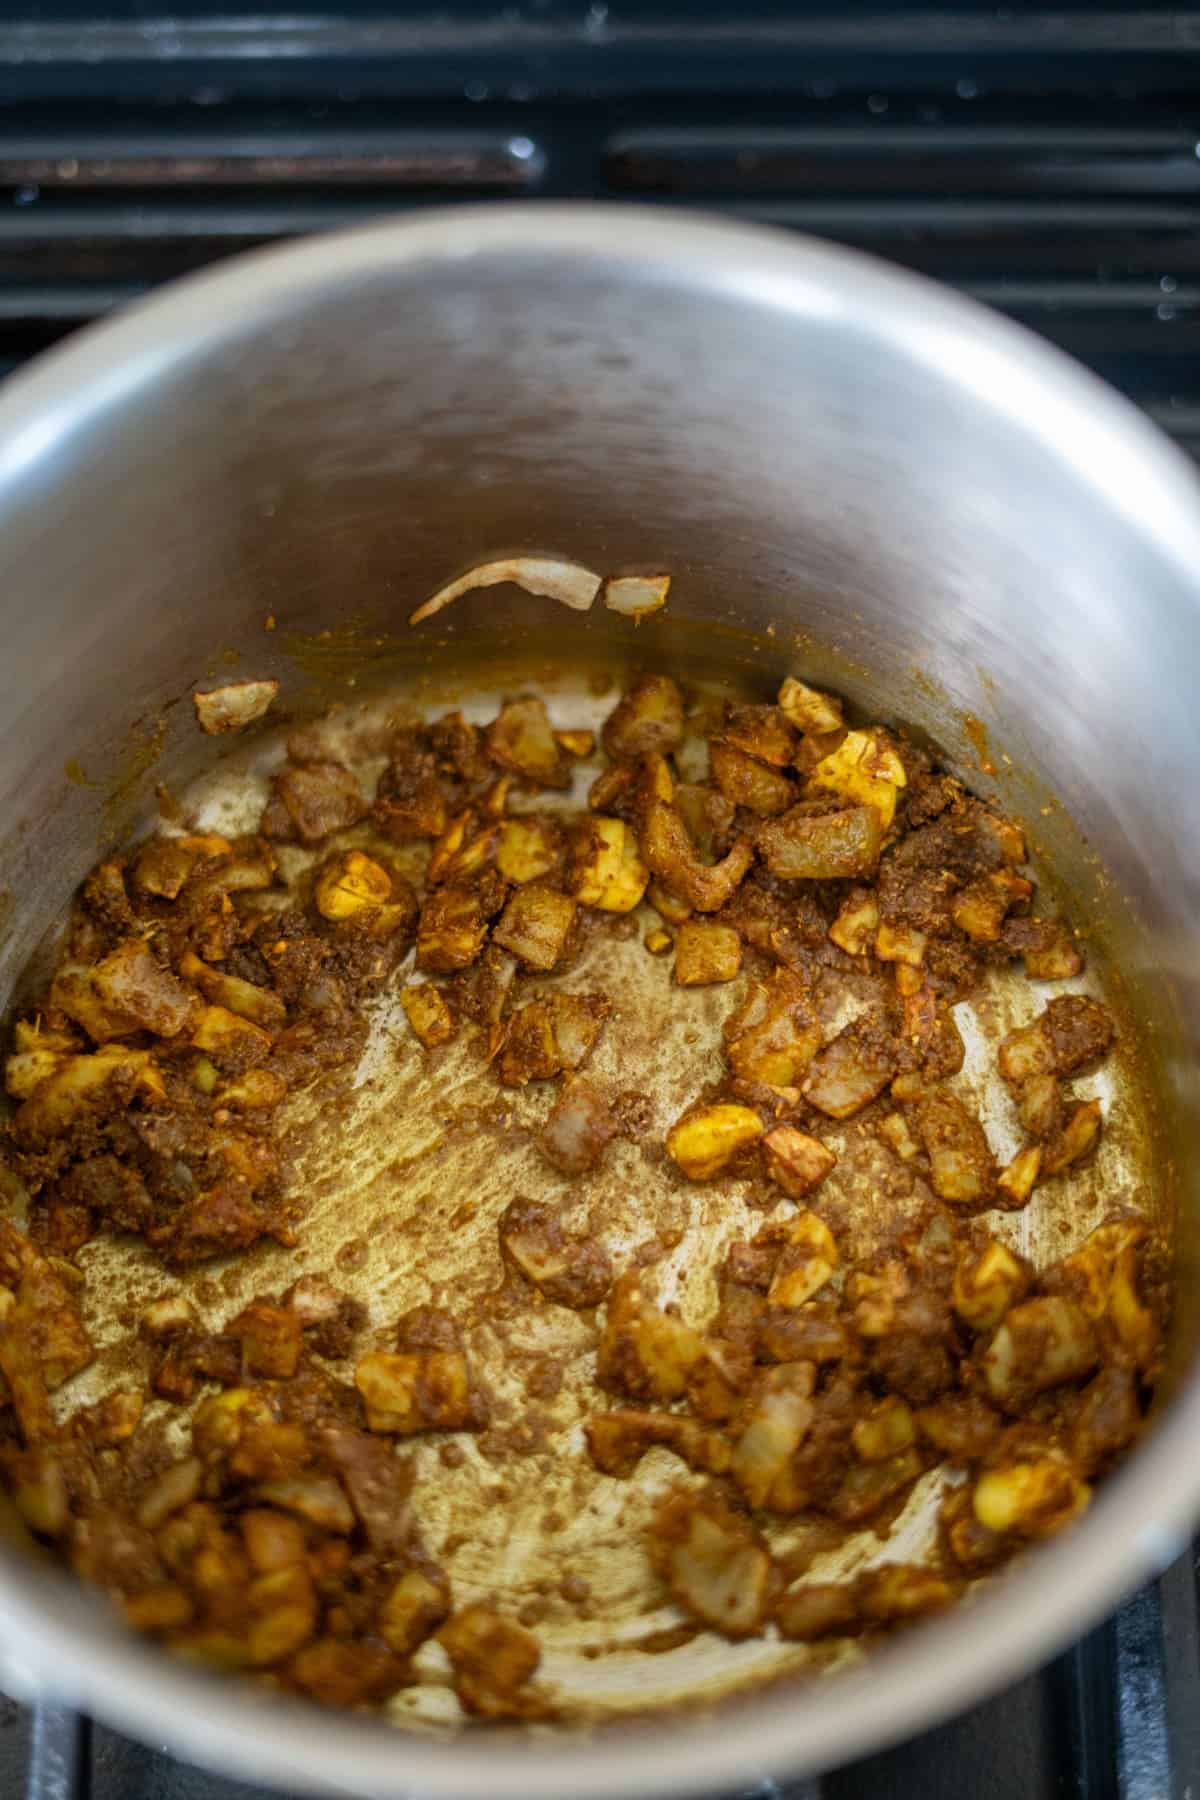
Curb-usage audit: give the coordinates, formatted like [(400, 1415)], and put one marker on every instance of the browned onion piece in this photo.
[(669, 853), (835, 846)]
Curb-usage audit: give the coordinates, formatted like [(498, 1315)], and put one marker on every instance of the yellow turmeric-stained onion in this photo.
[(569, 582), (635, 596), (233, 706)]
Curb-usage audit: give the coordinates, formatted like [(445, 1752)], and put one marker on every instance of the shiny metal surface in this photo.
[(847, 472)]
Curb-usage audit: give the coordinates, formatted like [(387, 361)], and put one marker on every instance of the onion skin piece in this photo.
[(569, 582), (636, 596)]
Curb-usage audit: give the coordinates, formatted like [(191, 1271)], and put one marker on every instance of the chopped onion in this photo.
[(569, 582), (234, 706), (636, 596)]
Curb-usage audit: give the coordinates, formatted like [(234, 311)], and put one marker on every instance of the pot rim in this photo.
[(54, 1638)]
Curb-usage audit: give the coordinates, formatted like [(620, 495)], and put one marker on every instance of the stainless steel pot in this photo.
[(847, 471)]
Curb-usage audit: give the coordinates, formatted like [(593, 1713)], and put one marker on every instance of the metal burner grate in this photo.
[(1045, 161)]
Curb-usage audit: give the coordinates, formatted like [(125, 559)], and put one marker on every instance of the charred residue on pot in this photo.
[(126, 789)]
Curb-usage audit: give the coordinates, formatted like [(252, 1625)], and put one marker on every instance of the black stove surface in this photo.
[(1044, 160)]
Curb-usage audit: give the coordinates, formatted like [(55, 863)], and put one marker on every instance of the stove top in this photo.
[(1045, 161)]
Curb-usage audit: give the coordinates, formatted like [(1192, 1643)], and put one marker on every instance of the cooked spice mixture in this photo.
[(256, 1485)]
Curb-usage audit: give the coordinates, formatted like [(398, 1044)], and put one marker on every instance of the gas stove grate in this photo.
[(1046, 162)]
